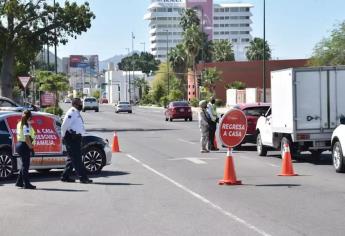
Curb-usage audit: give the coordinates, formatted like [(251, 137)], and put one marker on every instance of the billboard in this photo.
[(89, 62), (205, 12)]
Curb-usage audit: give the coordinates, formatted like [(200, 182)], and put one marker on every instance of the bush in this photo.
[(175, 95), (54, 110), (219, 103), (194, 102), (164, 101), (146, 99)]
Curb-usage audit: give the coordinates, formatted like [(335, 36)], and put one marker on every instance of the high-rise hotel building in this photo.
[(231, 21)]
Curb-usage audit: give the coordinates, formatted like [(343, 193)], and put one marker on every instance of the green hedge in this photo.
[(54, 110)]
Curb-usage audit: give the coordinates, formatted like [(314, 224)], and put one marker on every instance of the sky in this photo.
[(293, 27)]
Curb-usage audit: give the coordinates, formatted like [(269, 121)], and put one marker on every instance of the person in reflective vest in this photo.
[(212, 111), (25, 148)]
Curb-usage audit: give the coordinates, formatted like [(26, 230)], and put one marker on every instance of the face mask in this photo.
[(213, 101)]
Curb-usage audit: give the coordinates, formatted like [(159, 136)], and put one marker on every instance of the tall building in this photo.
[(229, 21)]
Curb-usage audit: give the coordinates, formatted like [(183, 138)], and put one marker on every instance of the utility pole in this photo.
[(55, 39), (129, 75), (144, 46), (167, 32), (133, 37), (264, 56)]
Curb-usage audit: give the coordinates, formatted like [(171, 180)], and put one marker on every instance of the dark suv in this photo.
[(50, 153)]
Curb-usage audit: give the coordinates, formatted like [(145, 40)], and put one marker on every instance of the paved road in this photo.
[(160, 184)]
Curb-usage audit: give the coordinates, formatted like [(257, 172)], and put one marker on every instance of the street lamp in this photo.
[(264, 55), (143, 43), (55, 39), (167, 33)]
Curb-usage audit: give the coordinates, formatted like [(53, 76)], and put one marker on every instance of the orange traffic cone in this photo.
[(287, 167), (115, 147), (229, 171)]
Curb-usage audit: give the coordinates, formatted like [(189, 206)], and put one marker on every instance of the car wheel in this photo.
[(130, 112), (97, 110), (316, 155), (260, 148), (171, 119), (43, 171), (190, 118), (185, 119), (93, 159), (6, 164), (338, 158), (166, 118)]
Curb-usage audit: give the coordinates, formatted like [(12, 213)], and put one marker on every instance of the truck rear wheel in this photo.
[(338, 158), (260, 148)]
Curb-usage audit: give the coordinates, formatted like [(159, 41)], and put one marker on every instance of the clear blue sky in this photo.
[(293, 27)]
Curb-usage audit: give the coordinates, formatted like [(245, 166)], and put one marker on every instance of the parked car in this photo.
[(90, 103), (67, 100), (7, 104), (252, 111), (123, 107), (103, 100), (50, 152), (338, 142), (178, 110)]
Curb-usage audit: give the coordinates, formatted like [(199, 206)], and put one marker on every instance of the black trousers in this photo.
[(211, 135), (74, 157), (24, 151)]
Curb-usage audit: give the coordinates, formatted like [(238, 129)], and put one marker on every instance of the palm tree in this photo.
[(256, 48), (189, 17), (210, 77), (141, 84), (178, 60), (222, 51), (192, 40)]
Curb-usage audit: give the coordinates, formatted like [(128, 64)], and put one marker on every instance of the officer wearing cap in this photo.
[(212, 111), (72, 130)]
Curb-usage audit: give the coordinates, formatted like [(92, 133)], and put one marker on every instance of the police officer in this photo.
[(212, 111), (24, 147), (72, 131), (204, 120)]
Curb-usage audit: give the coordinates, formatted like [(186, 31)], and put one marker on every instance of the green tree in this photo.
[(189, 17), (52, 82), (192, 40), (27, 24), (141, 84), (236, 85), (210, 77), (144, 62), (330, 51), (96, 94), (159, 84), (178, 60), (256, 50), (222, 51)]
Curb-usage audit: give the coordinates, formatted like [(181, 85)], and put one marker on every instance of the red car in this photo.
[(178, 110), (252, 111)]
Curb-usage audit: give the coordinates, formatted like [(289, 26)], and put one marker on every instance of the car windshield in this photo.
[(255, 111), (6, 103), (90, 100), (180, 104), (124, 103)]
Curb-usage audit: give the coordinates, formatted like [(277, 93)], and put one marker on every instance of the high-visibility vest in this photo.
[(20, 133)]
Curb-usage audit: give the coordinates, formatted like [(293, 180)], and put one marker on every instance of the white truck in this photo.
[(306, 104)]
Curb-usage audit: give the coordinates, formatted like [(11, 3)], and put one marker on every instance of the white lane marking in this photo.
[(196, 161), (203, 199), (273, 165), (185, 141)]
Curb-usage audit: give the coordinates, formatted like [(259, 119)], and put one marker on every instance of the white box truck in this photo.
[(306, 104)]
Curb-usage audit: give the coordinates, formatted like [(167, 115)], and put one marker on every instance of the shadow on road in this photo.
[(109, 130), (114, 184), (278, 185), (60, 190), (56, 175)]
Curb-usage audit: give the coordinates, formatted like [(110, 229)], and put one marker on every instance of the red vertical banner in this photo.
[(48, 138)]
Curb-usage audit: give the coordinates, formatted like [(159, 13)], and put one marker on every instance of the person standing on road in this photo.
[(204, 120), (212, 111), (24, 147), (72, 130)]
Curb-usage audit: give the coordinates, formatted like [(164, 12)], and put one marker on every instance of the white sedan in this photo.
[(338, 142)]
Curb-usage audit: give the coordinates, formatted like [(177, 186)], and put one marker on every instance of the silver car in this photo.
[(123, 107)]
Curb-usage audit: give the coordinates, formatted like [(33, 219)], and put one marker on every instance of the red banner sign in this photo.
[(47, 99), (233, 128), (48, 139)]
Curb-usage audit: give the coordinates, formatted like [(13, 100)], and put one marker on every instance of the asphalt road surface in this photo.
[(160, 184)]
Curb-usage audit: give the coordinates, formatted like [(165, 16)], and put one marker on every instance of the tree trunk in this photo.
[(7, 73)]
